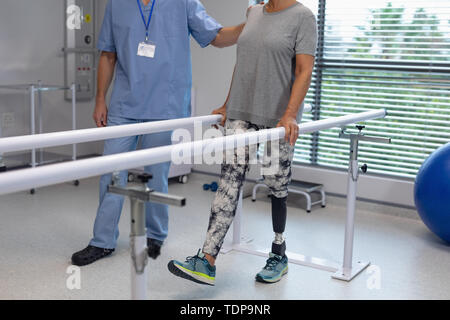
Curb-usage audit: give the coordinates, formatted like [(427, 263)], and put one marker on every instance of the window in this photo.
[(381, 54)]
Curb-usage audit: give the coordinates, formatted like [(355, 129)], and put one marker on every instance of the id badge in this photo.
[(146, 49)]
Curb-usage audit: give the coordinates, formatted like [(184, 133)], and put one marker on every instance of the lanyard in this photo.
[(147, 24)]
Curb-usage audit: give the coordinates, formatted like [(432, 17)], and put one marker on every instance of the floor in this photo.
[(39, 233)]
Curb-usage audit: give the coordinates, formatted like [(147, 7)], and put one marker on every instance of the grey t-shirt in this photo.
[(265, 65)]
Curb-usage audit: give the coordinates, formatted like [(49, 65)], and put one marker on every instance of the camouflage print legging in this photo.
[(277, 163)]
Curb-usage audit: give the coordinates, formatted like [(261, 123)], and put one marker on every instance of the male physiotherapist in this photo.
[(147, 44)]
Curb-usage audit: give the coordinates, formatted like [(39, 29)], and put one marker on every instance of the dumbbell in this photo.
[(213, 186)]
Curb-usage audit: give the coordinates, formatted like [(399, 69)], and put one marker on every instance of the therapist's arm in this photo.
[(106, 66), (228, 36), (303, 72)]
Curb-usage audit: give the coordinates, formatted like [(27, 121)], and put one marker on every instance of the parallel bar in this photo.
[(295, 258), (56, 139), (149, 196), (58, 173)]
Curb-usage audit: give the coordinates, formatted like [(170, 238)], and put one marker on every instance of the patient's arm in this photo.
[(223, 109), (303, 71)]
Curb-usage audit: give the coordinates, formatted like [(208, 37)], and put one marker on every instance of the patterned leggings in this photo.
[(278, 156)]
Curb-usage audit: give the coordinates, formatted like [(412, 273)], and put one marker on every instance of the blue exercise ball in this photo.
[(432, 192)]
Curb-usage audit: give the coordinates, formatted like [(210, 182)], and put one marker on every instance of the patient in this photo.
[(275, 59)]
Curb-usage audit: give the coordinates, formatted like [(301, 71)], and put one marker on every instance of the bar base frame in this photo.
[(294, 258), (349, 274)]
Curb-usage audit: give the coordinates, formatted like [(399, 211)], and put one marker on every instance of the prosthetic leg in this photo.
[(279, 215)]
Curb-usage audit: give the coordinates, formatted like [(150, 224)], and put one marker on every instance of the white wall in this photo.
[(212, 67), (31, 37), (212, 71)]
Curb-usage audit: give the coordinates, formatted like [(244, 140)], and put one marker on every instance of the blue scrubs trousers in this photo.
[(106, 231)]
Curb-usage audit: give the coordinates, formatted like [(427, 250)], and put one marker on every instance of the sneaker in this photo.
[(89, 255), (276, 267), (195, 268), (154, 248)]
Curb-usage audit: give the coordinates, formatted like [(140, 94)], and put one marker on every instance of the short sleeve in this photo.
[(203, 28), (106, 37), (306, 41), (248, 11), (250, 8)]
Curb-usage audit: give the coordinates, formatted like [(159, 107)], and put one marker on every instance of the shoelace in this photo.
[(189, 258), (271, 263)]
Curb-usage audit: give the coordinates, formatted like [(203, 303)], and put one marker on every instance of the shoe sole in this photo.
[(175, 270), (262, 280)]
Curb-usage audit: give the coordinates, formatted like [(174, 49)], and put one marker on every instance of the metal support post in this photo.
[(33, 123), (349, 270), (139, 194), (40, 120), (74, 118)]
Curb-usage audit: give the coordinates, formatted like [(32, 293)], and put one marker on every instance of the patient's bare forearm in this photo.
[(303, 72), (299, 91)]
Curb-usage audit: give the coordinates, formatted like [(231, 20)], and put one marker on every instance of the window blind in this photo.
[(386, 54), (381, 54)]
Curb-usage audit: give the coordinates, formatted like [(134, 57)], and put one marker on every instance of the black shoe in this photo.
[(154, 248), (90, 254)]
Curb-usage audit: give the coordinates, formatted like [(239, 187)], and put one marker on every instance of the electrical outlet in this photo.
[(8, 120)]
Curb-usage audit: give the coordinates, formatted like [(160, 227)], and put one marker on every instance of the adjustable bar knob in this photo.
[(360, 127), (364, 168), (144, 177), (139, 177)]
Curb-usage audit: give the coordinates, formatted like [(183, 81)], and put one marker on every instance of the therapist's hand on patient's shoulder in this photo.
[(290, 124), (223, 112), (100, 114)]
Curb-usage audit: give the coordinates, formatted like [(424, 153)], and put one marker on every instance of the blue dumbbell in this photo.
[(213, 187)]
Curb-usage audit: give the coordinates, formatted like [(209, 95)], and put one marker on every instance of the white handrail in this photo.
[(27, 179), (55, 139)]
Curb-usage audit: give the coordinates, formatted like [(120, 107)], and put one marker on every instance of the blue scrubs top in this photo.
[(160, 87)]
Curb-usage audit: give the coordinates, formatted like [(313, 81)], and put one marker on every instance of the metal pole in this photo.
[(39, 111), (55, 139), (353, 174), (32, 123), (96, 134), (139, 194), (74, 119), (138, 246)]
